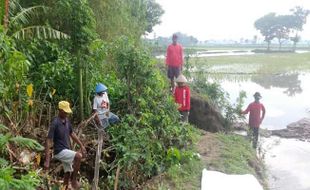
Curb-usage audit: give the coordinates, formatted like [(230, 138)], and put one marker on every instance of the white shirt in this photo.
[(100, 104)]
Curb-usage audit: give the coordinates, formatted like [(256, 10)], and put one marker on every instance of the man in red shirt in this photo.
[(174, 60), (257, 114), (182, 97)]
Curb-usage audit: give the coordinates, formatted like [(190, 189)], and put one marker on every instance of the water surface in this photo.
[(285, 97), (287, 163)]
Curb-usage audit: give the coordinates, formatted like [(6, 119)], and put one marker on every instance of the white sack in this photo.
[(213, 180)]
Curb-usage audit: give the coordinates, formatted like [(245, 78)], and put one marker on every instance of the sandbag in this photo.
[(213, 180)]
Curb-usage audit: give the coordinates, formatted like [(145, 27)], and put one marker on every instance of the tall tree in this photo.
[(266, 26), (130, 18), (282, 27), (299, 20), (77, 19), (153, 13)]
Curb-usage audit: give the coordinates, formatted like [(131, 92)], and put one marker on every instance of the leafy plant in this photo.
[(130, 18), (13, 79), (26, 182), (9, 178), (21, 23), (149, 131), (219, 98)]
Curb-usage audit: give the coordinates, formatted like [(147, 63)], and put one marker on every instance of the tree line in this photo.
[(184, 39), (283, 27)]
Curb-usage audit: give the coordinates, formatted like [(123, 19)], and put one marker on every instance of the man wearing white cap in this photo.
[(182, 97), (59, 133)]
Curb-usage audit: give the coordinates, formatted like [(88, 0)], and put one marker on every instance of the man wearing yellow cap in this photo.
[(59, 133)]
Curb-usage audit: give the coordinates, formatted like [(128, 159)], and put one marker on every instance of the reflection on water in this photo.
[(286, 99), (288, 81), (287, 163), (285, 96), (234, 69), (216, 53)]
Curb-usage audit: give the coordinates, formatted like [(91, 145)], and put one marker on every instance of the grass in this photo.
[(187, 176), (235, 154), (246, 47), (179, 177), (255, 64), (231, 154)]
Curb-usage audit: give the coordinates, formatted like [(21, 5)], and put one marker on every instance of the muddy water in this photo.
[(287, 163), (217, 53), (286, 98)]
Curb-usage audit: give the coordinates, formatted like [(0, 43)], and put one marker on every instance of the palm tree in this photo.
[(19, 22)]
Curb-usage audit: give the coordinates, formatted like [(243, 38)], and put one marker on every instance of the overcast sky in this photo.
[(221, 19)]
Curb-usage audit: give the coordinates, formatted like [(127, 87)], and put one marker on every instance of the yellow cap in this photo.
[(65, 106)]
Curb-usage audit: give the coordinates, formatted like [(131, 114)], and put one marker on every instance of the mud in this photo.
[(204, 116), (298, 130)]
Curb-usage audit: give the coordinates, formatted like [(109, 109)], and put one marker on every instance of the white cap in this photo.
[(181, 78)]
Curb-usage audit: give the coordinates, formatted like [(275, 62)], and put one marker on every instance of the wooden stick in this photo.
[(83, 124), (11, 153), (117, 177), (98, 156)]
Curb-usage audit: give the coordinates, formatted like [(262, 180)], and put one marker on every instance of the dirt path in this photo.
[(208, 147), (231, 154)]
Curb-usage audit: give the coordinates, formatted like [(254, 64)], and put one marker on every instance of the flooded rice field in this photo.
[(286, 98)]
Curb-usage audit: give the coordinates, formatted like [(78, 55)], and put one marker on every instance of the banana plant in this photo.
[(20, 23)]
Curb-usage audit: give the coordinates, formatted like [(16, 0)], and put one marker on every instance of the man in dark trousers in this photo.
[(257, 114), (59, 133), (174, 60)]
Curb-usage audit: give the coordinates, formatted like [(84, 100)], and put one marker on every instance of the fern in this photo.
[(27, 182), (3, 162), (8, 178), (3, 128), (4, 139), (27, 143)]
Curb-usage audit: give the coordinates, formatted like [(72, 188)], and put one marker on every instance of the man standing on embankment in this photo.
[(174, 60), (257, 115)]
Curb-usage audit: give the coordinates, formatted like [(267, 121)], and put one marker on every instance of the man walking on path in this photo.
[(59, 133), (257, 114), (174, 60), (182, 97)]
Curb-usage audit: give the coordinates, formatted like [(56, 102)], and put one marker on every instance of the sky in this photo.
[(221, 19)]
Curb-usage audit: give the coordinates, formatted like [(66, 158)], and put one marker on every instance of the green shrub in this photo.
[(149, 137), (9, 178)]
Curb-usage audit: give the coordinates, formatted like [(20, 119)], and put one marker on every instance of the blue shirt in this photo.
[(60, 132)]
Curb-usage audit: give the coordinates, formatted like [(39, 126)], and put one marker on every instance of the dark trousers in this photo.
[(184, 116), (253, 135)]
